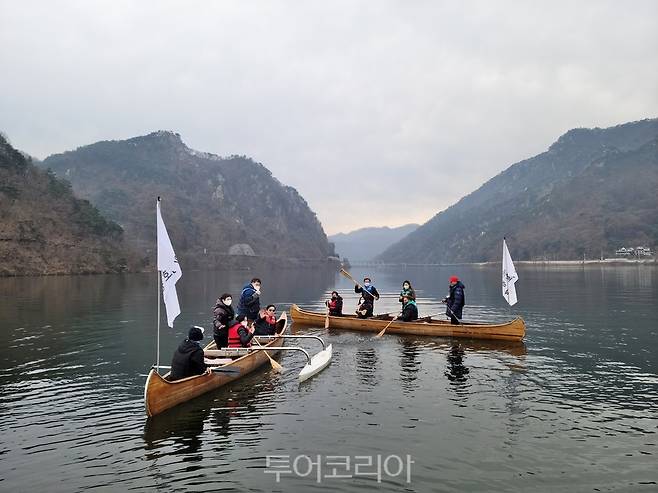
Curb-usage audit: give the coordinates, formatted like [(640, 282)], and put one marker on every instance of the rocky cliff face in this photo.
[(592, 192), (212, 206), (44, 229)]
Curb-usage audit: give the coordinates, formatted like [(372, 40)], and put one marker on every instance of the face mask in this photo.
[(406, 286), (228, 301), (333, 296), (366, 284)]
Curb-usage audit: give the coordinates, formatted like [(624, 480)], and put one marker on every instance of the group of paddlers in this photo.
[(234, 331), (409, 312), (229, 330)]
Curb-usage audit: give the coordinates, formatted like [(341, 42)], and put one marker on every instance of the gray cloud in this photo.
[(379, 113)]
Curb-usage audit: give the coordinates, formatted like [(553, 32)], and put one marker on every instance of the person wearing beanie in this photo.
[(188, 358), (455, 300)]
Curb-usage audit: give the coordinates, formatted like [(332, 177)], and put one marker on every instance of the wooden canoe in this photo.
[(161, 394), (508, 331)]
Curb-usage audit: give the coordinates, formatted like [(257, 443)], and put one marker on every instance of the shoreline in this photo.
[(605, 261)]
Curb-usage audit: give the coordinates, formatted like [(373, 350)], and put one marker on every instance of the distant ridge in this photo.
[(591, 192), (366, 243), (215, 208)]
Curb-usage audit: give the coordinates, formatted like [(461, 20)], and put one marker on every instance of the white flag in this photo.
[(509, 276), (170, 271)]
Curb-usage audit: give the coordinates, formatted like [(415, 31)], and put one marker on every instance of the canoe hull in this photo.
[(509, 331), (161, 394)]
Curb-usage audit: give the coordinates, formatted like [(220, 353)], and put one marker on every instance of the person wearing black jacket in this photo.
[(409, 309), (455, 300), (188, 358), (335, 304), (222, 315), (265, 324), (369, 294)]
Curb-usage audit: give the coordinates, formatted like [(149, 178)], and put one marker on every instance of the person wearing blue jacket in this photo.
[(249, 304), (455, 301)]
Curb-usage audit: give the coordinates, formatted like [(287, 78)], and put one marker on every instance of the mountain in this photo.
[(591, 192), (367, 243), (44, 229), (214, 208)]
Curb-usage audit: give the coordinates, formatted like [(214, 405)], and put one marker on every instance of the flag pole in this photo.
[(157, 352)]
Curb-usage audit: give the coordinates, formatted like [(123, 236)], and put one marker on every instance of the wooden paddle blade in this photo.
[(326, 322), (381, 333), (275, 366), (347, 274)]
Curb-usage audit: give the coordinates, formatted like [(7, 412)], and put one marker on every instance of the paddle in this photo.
[(364, 290), (275, 366), (326, 319), (387, 325), (453, 314)]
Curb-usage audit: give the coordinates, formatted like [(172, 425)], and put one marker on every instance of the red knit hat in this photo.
[(454, 279)]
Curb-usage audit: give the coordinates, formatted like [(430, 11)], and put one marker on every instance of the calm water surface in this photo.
[(574, 408)]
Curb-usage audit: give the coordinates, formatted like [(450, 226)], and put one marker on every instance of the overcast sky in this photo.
[(379, 113)]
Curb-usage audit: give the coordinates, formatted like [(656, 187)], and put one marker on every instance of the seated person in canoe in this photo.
[(409, 309), (365, 308), (188, 358), (335, 304), (265, 324), (223, 315), (239, 335), (369, 294)]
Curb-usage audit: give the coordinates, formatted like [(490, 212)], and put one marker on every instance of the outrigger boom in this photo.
[(314, 365), (241, 351)]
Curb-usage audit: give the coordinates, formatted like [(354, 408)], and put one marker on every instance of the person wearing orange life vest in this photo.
[(239, 335)]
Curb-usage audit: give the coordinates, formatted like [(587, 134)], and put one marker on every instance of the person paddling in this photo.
[(455, 300), (409, 309), (369, 294), (223, 314), (239, 335), (335, 304), (188, 358)]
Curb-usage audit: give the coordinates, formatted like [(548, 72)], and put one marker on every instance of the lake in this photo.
[(573, 408)]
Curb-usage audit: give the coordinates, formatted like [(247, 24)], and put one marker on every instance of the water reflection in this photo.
[(456, 371), (409, 364), (366, 366), (581, 389)]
